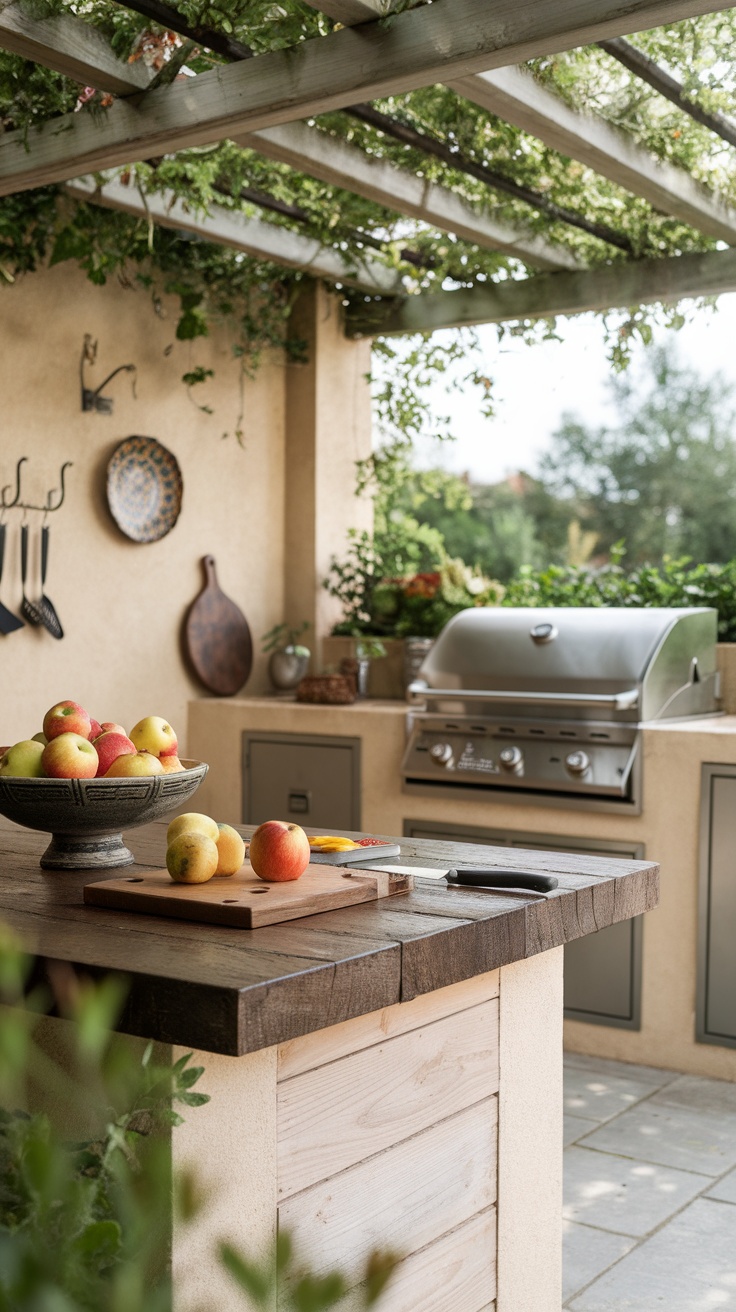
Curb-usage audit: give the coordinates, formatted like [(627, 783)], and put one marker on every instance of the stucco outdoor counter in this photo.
[(387, 1074)]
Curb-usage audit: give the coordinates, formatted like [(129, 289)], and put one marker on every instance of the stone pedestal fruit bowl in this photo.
[(86, 817)]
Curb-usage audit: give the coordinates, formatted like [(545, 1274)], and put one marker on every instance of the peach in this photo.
[(279, 851), (132, 764), (230, 850), (69, 756), (66, 717), (109, 746), (191, 858), (192, 822)]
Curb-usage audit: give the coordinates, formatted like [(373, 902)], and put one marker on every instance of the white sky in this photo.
[(535, 385)]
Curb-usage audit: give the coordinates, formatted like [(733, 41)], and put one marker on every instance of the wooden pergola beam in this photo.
[(624, 283), (70, 46), (339, 164), (446, 40), (515, 96), (264, 241)]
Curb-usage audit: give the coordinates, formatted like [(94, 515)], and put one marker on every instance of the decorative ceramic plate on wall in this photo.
[(144, 487)]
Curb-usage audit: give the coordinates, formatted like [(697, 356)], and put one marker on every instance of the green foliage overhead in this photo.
[(43, 225)]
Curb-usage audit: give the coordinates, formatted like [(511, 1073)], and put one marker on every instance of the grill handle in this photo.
[(419, 691)]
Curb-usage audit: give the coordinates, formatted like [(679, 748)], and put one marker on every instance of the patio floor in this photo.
[(650, 1189)]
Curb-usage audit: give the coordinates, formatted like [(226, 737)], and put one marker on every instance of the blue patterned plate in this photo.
[(144, 488)]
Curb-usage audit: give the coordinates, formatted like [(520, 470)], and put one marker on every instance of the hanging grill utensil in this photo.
[(28, 609), (49, 618), (8, 621)]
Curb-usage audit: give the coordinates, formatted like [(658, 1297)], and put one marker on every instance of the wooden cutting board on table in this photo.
[(244, 901), (217, 638)]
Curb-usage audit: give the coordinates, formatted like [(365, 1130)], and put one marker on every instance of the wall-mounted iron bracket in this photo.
[(94, 400)]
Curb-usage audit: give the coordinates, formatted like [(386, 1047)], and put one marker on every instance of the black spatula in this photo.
[(50, 619), (8, 621)]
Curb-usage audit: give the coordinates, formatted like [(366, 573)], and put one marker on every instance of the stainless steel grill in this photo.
[(550, 702)]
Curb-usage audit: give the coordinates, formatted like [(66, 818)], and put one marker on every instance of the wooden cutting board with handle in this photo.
[(217, 639), (244, 901)]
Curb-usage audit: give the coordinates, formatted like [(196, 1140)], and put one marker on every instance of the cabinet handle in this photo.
[(299, 801)]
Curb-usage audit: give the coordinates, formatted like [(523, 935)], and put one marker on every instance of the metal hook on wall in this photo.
[(16, 503), (94, 400), (8, 505)]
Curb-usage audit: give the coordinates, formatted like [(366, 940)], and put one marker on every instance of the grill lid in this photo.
[(580, 653)]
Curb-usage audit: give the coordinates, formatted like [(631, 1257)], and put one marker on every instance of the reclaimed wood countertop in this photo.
[(234, 991)]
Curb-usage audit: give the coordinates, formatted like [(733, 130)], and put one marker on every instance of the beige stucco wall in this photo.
[(121, 603)]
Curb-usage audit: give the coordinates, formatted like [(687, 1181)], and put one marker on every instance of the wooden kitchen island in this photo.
[(389, 1074)]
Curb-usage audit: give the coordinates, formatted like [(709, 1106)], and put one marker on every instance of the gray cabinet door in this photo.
[(312, 780), (603, 970), (716, 1013)]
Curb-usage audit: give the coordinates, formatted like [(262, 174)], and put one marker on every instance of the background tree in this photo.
[(663, 477)]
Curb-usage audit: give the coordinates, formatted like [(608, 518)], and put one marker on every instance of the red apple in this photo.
[(154, 735), (279, 851), (109, 726), (109, 746), (95, 729), (67, 717), (69, 756)]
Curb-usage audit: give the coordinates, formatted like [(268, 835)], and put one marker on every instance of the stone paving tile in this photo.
[(654, 1076), (703, 1095), (586, 1253), (724, 1190), (598, 1095), (671, 1135), (616, 1193), (688, 1266), (574, 1127)]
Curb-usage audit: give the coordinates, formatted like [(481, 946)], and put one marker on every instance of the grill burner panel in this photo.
[(592, 759)]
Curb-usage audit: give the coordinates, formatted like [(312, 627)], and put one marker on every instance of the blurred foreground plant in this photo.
[(86, 1189), (85, 1184), (299, 1289)]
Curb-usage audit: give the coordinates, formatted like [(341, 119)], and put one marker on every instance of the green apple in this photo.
[(39, 738), (23, 760)]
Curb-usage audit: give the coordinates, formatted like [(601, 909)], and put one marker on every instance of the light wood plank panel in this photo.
[(455, 1274), (313, 1050), (403, 1199), (433, 43), (345, 1112), (635, 282)]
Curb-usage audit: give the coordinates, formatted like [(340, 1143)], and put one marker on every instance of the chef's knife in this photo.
[(477, 877)]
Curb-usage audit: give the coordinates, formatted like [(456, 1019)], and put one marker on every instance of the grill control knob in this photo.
[(441, 753), (511, 758), (577, 763)]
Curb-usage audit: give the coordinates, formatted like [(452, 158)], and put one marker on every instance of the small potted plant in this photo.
[(289, 659)]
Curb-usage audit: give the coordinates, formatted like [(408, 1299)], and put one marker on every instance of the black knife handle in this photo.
[(481, 877)]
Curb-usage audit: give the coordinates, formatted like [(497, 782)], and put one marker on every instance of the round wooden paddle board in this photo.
[(217, 638)]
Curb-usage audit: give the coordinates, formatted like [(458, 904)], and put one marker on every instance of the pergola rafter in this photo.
[(226, 227), (514, 95), (626, 283), (339, 164), (437, 42)]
